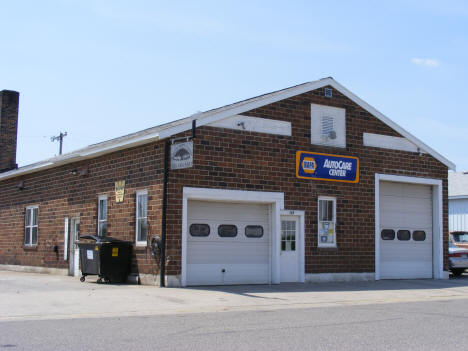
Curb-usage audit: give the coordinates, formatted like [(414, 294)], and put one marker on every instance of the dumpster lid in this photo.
[(101, 239)]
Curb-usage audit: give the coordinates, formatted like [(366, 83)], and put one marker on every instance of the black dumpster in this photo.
[(107, 257)]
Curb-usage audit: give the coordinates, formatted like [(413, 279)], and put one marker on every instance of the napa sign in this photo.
[(312, 165)]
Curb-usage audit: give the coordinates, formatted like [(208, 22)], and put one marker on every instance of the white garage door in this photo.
[(228, 243), (405, 231)]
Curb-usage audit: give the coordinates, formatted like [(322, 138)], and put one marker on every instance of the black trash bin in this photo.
[(107, 257)]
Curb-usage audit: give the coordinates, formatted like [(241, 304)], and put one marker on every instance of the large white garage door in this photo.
[(405, 231), (228, 243)]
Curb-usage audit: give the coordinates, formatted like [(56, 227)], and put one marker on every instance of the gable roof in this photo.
[(203, 118)]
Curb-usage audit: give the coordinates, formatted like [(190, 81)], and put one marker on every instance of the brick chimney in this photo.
[(8, 129)]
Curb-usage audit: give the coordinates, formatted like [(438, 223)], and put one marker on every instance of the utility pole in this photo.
[(60, 139)]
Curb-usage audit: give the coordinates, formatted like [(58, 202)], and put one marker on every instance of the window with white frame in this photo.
[(30, 226), (326, 222), (141, 231), (102, 215)]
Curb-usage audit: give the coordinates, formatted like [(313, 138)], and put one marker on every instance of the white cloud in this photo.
[(426, 62)]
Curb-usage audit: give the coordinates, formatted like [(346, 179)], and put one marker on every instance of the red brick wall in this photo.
[(61, 194), (232, 159), (223, 158)]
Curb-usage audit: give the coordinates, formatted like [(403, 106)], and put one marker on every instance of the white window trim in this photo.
[(325, 245), (102, 197), (138, 193), (32, 207)]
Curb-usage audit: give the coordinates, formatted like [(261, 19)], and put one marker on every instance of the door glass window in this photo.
[(75, 235), (288, 235)]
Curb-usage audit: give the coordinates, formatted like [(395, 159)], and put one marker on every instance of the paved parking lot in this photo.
[(27, 296)]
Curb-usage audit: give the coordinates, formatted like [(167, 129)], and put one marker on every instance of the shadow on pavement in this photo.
[(416, 284)]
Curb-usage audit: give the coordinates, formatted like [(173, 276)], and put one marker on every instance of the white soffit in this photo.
[(389, 142)]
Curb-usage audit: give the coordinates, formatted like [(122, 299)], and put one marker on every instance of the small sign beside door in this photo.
[(182, 155)]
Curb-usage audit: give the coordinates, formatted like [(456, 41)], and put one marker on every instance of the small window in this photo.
[(254, 231), (326, 222), (199, 230), (30, 224), (387, 234), (419, 235), (403, 235), (141, 217), (102, 215), (227, 231)]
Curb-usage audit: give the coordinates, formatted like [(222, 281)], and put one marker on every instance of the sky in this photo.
[(100, 69)]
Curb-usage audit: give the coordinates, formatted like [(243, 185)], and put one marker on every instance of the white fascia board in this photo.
[(83, 154), (204, 118), (239, 108), (391, 124), (458, 197)]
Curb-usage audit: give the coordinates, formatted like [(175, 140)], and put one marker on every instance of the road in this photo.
[(433, 325), (399, 315)]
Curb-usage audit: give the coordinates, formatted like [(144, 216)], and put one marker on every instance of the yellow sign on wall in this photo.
[(115, 252), (119, 191)]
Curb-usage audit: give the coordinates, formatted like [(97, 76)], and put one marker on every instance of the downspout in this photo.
[(167, 147)]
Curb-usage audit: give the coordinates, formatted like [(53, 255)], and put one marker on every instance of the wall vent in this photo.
[(328, 92), (328, 128)]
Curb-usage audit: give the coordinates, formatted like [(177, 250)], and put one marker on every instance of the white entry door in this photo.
[(74, 260), (290, 243)]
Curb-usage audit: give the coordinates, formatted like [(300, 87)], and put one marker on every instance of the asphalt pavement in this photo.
[(44, 312), (431, 325)]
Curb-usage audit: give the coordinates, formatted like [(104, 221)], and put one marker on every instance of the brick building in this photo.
[(303, 184)]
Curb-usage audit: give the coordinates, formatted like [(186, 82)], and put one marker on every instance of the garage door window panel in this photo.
[(199, 230), (404, 235), (254, 231), (227, 231), (387, 234), (419, 235)]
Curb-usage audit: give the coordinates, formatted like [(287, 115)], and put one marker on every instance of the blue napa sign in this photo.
[(335, 168)]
